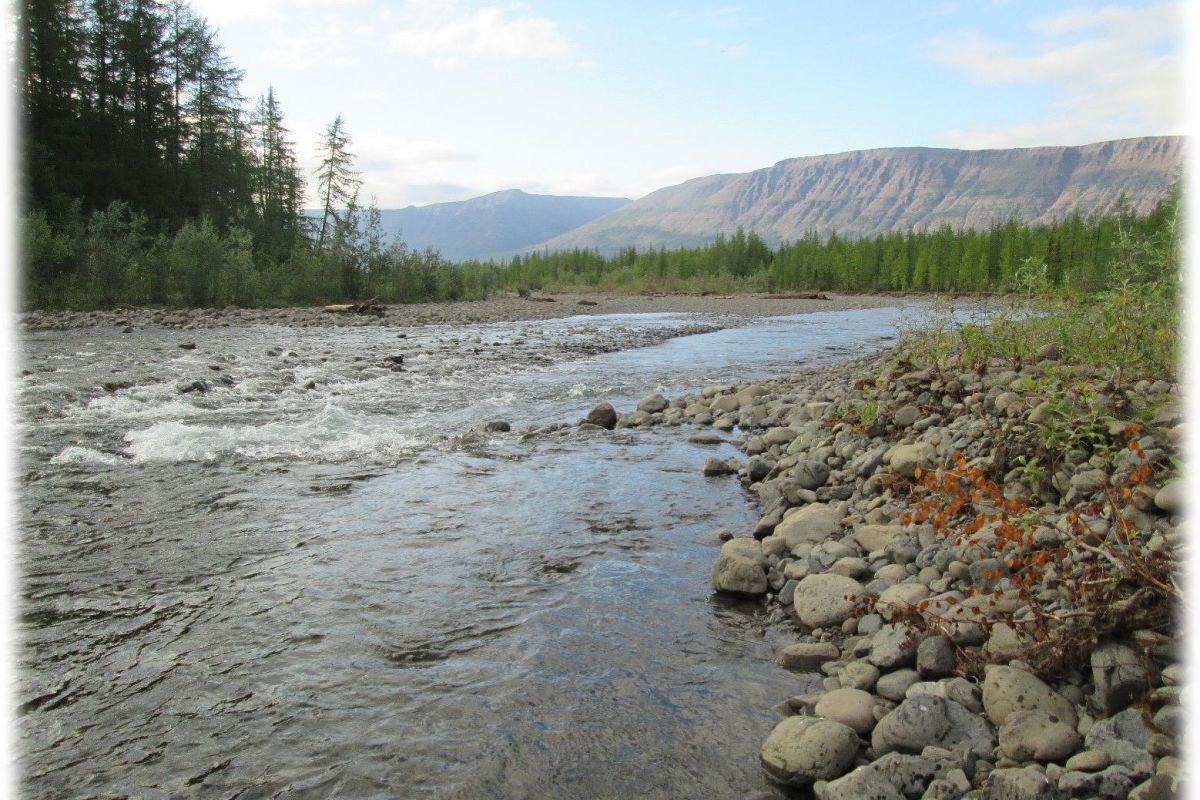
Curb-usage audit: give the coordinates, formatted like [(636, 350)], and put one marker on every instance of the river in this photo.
[(280, 564)]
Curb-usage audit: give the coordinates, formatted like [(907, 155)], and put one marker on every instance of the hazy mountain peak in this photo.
[(493, 225)]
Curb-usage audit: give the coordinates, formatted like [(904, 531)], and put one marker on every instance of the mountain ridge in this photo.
[(867, 192)]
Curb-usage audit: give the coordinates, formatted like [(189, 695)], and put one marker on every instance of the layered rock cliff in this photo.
[(867, 192)]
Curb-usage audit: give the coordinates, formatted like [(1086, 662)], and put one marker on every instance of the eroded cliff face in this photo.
[(867, 192)]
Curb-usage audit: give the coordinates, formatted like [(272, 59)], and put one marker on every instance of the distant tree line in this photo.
[(148, 179), (1076, 254)]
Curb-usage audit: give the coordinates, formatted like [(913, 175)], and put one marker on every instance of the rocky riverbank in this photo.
[(980, 561), (501, 308)]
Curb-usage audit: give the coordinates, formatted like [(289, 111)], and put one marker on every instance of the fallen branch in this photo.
[(371, 306)]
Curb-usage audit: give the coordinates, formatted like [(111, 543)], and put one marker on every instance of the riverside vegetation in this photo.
[(978, 535)]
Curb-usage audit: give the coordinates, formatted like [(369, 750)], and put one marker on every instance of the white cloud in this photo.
[(220, 12), (448, 33), (400, 172), (1116, 72), (324, 42)]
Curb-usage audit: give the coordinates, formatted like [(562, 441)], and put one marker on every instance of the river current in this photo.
[(281, 564)]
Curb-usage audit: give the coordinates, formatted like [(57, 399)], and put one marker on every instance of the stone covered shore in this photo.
[(938, 680), (500, 308)]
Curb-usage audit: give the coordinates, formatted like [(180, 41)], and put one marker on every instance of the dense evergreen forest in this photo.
[(1075, 255), (149, 179)]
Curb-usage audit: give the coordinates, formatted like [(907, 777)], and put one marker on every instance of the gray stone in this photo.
[(902, 550), (1171, 719), (801, 750), (757, 468), (850, 567), (876, 537), (1027, 783), (604, 415), (1119, 677), (893, 646), (779, 435), (895, 775), (907, 458), (936, 657), (1160, 787), (774, 546), (787, 594), (863, 783), (740, 568), (894, 685), (930, 720), (1037, 736), (811, 474), (716, 466), (1088, 761), (951, 787), (1007, 689), (905, 416), (859, 675), (900, 600), (1089, 480), (814, 523), (1112, 783), (1003, 642), (653, 403), (807, 655), (851, 707), (724, 404), (1172, 497), (1125, 738), (827, 600), (963, 692)]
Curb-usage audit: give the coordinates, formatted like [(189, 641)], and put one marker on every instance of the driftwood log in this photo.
[(371, 306), (798, 296)]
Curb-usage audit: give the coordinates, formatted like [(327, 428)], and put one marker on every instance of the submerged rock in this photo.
[(604, 415)]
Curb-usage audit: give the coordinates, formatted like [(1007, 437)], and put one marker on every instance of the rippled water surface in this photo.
[(273, 565)]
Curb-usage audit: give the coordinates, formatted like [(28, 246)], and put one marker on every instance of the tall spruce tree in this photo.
[(278, 181)]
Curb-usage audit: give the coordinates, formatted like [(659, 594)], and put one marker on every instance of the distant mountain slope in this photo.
[(494, 225), (867, 192)]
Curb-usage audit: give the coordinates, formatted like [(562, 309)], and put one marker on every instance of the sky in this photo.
[(450, 99)]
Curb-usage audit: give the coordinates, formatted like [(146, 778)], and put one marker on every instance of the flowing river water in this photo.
[(274, 565)]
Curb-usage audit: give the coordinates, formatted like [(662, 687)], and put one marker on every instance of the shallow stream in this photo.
[(275, 565)]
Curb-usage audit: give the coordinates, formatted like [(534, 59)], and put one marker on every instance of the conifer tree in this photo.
[(337, 182)]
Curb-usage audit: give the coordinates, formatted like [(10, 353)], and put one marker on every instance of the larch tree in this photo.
[(337, 182)]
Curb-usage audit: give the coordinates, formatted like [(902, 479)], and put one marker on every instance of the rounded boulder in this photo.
[(826, 599), (801, 750), (740, 568)]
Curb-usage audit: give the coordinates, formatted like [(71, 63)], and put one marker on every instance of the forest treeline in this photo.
[(1076, 254), (148, 178)]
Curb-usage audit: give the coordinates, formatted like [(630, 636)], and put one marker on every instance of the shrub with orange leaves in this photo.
[(1060, 593)]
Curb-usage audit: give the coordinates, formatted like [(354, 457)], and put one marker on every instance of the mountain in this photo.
[(866, 192), (494, 225)]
